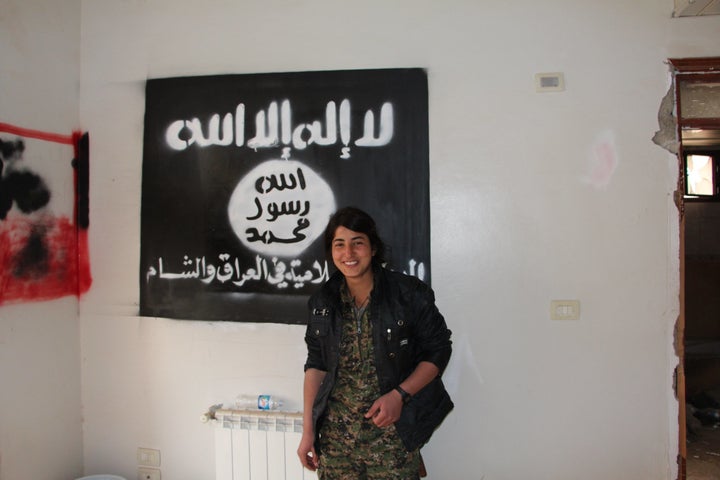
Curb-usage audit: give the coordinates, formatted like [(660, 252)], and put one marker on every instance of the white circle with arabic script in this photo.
[(280, 207)]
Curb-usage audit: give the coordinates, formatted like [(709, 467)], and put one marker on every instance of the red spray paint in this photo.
[(43, 256)]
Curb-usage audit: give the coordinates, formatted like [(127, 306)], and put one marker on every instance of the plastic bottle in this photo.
[(260, 402)]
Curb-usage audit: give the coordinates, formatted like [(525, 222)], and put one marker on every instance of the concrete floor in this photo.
[(703, 454)]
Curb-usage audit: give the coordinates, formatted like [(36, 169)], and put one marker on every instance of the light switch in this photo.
[(148, 457), (565, 310), (549, 82)]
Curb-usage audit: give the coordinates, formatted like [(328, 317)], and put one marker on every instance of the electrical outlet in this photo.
[(148, 457), (148, 473)]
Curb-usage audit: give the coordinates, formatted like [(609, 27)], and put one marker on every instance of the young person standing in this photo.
[(377, 346)]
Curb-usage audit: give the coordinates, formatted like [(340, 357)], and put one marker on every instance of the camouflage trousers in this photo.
[(368, 453)]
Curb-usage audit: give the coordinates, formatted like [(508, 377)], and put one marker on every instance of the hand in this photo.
[(386, 410), (306, 452)]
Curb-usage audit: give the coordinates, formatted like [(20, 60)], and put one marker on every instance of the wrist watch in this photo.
[(405, 395)]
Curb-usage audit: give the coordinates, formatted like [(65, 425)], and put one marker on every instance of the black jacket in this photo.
[(407, 329)]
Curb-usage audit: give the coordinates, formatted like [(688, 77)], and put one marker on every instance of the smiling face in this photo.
[(352, 254)]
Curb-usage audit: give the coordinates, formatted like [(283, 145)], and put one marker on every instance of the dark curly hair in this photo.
[(356, 220)]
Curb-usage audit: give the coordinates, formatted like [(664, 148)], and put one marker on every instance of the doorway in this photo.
[(697, 106)]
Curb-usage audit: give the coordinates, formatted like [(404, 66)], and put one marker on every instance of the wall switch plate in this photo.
[(148, 457), (148, 473), (549, 82), (565, 310)]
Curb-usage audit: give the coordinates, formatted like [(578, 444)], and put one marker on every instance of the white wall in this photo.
[(520, 216), (40, 410)]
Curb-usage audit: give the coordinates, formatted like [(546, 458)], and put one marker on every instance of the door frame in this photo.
[(686, 69)]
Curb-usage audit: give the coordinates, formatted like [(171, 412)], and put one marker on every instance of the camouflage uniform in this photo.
[(352, 447)]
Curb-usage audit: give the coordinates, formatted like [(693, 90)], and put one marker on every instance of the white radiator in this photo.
[(258, 445)]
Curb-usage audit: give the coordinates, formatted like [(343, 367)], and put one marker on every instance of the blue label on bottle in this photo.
[(264, 402)]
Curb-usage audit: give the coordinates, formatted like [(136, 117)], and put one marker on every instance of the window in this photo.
[(701, 169), (697, 96)]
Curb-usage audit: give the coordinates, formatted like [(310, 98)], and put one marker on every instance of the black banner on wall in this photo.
[(242, 172)]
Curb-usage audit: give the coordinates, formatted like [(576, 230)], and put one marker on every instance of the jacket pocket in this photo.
[(319, 327), (317, 338), (319, 324), (399, 343)]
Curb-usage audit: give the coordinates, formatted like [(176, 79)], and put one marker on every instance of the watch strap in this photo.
[(405, 395)]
